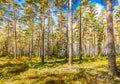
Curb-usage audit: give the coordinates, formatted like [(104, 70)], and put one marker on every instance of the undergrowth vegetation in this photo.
[(91, 70)]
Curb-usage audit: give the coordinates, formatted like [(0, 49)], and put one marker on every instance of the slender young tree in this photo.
[(42, 40), (66, 50), (14, 26), (70, 34), (110, 38), (48, 40), (32, 30), (80, 33), (8, 30)]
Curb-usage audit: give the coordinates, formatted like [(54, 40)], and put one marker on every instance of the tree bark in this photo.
[(32, 32), (89, 49), (110, 36), (42, 43), (14, 26), (8, 31), (29, 48), (94, 41), (66, 50), (70, 34), (80, 34), (48, 40)]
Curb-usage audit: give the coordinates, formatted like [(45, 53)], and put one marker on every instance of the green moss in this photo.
[(25, 71)]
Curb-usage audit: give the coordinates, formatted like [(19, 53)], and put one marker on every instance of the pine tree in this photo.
[(110, 36)]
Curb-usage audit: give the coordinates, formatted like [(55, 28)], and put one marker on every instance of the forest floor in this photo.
[(57, 71)]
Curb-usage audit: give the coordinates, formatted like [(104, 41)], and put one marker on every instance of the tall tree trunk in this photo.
[(32, 33), (29, 48), (110, 36), (119, 44), (99, 42), (30, 53), (8, 31), (85, 41), (94, 41), (66, 50), (42, 43), (99, 46), (104, 43), (14, 26), (70, 35), (48, 40), (80, 34), (60, 40), (89, 49), (38, 48), (20, 53)]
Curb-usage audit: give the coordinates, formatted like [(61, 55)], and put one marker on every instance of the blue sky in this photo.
[(77, 2), (101, 2), (20, 1)]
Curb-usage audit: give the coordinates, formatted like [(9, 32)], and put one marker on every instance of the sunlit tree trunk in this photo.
[(119, 44), (110, 36), (80, 34), (20, 51), (42, 43), (14, 26), (8, 40), (99, 41), (32, 32), (48, 40), (94, 41), (89, 49), (31, 45), (28, 47), (66, 50), (70, 35), (38, 47)]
